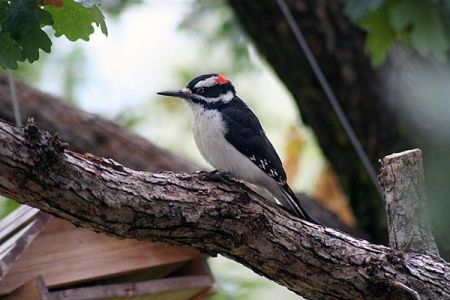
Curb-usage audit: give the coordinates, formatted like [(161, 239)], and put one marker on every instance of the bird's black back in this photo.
[(246, 134)]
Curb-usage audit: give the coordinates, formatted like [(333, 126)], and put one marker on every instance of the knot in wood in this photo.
[(47, 148)]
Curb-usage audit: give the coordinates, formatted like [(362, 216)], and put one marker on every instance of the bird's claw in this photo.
[(216, 176), (201, 174)]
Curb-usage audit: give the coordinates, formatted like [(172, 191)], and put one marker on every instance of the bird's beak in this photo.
[(174, 93)]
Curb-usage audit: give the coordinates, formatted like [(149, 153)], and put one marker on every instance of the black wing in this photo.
[(247, 135)]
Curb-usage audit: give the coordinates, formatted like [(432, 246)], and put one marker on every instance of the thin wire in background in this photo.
[(14, 100), (329, 93)]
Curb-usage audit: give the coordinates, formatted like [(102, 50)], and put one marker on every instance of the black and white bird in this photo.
[(231, 139)]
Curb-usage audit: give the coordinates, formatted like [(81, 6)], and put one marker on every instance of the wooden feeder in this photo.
[(43, 257)]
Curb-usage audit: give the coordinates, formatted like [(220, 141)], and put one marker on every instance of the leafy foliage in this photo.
[(23, 25), (420, 24), (10, 52), (32, 42), (75, 20), (380, 39)]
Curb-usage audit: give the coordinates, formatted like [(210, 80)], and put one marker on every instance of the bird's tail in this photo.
[(295, 205)]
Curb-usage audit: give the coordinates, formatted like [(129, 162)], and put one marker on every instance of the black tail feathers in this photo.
[(295, 205)]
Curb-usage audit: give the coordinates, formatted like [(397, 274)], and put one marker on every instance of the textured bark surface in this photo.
[(339, 48), (181, 209), (93, 134), (403, 183)]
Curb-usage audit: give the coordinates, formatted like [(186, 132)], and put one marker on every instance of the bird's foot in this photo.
[(224, 177), (208, 176), (217, 176)]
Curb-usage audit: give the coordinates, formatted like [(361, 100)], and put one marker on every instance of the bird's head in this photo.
[(206, 90)]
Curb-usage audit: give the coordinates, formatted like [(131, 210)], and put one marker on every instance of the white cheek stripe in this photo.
[(227, 97), (206, 82)]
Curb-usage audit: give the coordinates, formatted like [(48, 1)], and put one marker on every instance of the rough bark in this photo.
[(339, 48), (183, 210), (90, 133), (403, 183)]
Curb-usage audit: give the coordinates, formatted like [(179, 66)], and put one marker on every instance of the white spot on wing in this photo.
[(273, 173)]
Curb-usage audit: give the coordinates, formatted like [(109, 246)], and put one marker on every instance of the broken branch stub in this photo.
[(403, 183)]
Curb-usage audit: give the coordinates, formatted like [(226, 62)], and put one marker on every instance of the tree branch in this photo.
[(86, 132), (181, 209)]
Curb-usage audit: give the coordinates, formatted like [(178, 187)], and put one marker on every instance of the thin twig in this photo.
[(15, 102)]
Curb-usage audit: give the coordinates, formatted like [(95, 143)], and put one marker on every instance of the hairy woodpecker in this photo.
[(231, 139)]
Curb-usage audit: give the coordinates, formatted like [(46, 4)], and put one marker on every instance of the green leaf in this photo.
[(21, 17), (31, 43), (380, 39), (10, 52), (45, 18), (422, 20), (100, 20), (75, 21)]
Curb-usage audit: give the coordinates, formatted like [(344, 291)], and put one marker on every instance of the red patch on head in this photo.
[(220, 79)]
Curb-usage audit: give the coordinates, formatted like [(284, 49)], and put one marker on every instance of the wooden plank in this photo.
[(170, 295), (32, 290), (197, 266), (10, 243), (161, 289), (204, 294), (16, 220), (71, 255), (143, 275), (16, 249)]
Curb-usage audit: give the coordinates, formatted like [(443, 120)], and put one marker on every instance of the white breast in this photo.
[(209, 134), (209, 131)]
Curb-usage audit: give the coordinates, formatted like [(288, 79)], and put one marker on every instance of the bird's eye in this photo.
[(199, 90)]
